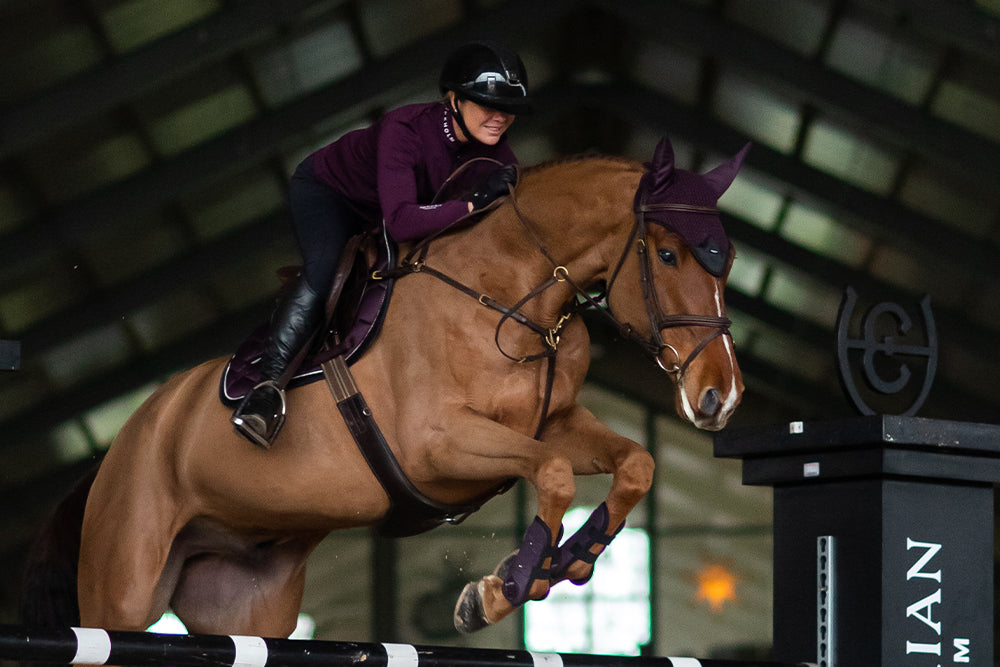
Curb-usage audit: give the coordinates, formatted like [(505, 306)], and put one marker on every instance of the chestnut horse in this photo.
[(186, 514)]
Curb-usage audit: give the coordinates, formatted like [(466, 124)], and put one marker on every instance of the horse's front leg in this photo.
[(631, 468), (574, 443), (483, 449), (526, 574)]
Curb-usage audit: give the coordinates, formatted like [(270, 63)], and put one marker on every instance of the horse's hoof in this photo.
[(470, 615)]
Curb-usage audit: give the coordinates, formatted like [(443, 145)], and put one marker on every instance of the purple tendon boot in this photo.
[(531, 562), (517, 571), (578, 546)]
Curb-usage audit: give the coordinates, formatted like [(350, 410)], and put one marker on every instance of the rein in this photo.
[(414, 263), (659, 320)]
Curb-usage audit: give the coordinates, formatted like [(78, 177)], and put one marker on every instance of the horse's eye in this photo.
[(667, 257)]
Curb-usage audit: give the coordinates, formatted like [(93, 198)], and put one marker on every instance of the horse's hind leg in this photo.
[(124, 550)]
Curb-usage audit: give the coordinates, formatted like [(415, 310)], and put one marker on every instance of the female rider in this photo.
[(389, 171)]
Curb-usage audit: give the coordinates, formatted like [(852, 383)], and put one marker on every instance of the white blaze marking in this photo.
[(729, 404)]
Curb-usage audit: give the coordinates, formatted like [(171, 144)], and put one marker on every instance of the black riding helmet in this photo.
[(490, 75)]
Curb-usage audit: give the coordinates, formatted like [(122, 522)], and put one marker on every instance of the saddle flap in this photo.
[(361, 304)]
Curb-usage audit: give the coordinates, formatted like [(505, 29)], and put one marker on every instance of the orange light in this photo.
[(716, 585)]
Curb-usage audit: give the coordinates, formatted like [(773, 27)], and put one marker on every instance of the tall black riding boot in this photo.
[(298, 315)]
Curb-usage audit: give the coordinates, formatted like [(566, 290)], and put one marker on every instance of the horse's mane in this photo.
[(581, 157)]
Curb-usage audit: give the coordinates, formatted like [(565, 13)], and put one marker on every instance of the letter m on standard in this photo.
[(962, 650), (917, 570)]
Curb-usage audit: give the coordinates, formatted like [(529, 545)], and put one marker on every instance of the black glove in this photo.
[(495, 186)]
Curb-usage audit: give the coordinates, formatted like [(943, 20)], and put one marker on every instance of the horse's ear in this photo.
[(722, 176), (662, 166)]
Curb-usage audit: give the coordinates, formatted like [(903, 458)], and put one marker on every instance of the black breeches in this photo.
[(324, 222)]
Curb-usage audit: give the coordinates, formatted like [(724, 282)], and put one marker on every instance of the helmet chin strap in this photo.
[(461, 121)]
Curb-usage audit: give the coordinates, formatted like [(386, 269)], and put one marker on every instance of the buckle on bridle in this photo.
[(553, 336)]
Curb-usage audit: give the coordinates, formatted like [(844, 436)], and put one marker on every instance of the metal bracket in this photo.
[(339, 379), (825, 601)]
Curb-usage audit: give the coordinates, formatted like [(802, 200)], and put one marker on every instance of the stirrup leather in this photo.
[(261, 429)]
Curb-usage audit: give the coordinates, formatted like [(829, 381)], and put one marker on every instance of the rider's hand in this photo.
[(496, 185)]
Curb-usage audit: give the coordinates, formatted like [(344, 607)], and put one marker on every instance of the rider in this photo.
[(389, 171)]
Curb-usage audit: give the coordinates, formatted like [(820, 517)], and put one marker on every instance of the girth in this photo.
[(410, 511)]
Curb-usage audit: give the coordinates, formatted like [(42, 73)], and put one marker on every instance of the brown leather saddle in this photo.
[(355, 323), (362, 297)]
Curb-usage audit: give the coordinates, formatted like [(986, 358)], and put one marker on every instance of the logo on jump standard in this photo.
[(887, 334), (927, 640)]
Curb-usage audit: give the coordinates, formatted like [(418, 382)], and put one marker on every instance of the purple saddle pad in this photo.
[(355, 325)]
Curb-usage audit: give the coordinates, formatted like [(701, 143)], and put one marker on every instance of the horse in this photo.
[(468, 393)]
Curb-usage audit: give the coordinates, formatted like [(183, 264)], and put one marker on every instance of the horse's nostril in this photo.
[(711, 400)]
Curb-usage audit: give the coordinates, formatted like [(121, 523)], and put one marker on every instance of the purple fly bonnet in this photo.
[(685, 203)]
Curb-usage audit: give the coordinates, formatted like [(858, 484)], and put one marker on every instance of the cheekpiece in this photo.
[(686, 204)]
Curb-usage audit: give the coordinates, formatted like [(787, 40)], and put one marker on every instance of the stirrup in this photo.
[(260, 429)]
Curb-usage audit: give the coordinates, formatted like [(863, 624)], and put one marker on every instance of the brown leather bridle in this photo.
[(655, 345)]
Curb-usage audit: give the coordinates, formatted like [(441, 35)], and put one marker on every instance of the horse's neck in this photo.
[(580, 213), (499, 256), (575, 218)]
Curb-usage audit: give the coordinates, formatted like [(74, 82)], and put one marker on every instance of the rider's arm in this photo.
[(400, 156)]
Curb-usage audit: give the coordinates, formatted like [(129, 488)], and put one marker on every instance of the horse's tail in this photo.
[(48, 590)]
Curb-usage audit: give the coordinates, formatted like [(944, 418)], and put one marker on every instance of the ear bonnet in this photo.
[(685, 203)]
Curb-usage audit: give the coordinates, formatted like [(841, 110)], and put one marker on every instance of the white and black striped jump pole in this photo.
[(87, 646)]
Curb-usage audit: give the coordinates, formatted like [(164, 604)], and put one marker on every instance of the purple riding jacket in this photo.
[(393, 169)]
